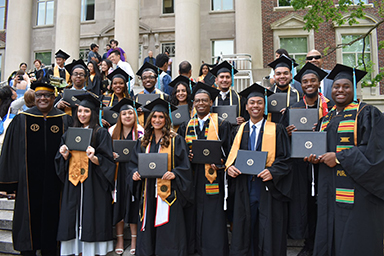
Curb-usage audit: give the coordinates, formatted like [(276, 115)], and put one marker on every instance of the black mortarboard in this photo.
[(125, 104), (118, 72), (61, 54), (76, 64), (341, 71), (181, 80), (223, 67), (42, 85), (148, 67), (203, 88), (283, 61), (89, 100), (161, 106), (309, 68), (257, 90)]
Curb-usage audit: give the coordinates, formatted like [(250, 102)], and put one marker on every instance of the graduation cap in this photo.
[(119, 72), (61, 54), (89, 100), (257, 90), (148, 67), (125, 104), (203, 88), (161, 106), (76, 64), (42, 86), (182, 80), (344, 72), (309, 68), (224, 67), (283, 61)]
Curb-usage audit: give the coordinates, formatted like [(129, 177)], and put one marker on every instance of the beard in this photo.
[(311, 95), (282, 85)]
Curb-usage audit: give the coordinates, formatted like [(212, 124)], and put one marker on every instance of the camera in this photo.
[(21, 78)]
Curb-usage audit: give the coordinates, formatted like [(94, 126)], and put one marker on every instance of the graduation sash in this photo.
[(141, 115), (56, 73), (210, 134), (78, 167), (268, 144)]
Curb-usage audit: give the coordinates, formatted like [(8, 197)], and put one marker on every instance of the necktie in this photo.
[(201, 124), (253, 137)]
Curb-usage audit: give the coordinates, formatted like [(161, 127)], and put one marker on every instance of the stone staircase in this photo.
[(6, 217)]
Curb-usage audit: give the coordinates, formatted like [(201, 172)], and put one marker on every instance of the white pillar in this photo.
[(127, 29), (18, 41), (249, 30), (187, 34), (67, 27)]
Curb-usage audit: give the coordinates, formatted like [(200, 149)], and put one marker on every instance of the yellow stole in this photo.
[(268, 144), (57, 74), (164, 186), (78, 167)]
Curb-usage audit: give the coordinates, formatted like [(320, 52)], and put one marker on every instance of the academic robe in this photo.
[(302, 208), (272, 211), (206, 218), (237, 101), (95, 85), (355, 228), (27, 164), (168, 239), (294, 97), (96, 212)]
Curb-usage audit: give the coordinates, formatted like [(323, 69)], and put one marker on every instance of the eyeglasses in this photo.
[(79, 74), (148, 77), (46, 95), (316, 57)]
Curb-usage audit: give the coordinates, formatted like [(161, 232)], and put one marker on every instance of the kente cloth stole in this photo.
[(268, 144), (141, 115), (210, 134), (78, 167)]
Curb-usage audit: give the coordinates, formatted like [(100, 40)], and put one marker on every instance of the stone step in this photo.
[(6, 246), (6, 204), (6, 218)]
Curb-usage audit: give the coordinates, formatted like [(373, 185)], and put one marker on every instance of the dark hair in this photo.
[(167, 131), (23, 63), (161, 59), (109, 45), (117, 52), (93, 46), (184, 67), (37, 61), (93, 123), (175, 101), (95, 67), (20, 72), (114, 41), (109, 64), (201, 68), (282, 51), (5, 99)]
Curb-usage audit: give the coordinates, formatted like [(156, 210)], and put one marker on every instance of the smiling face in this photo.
[(342, 92), (127, 117), (224, 81), (118, 85), (44, 100), (255, 107), (181, 93), (315, 58), (310, 84), (104, 66), (202, 103), (90, 67), (205, 70), (37, 65), (84, 115), (78, 77), (60, 62), (283, 77), (149, 80), (158, 120)]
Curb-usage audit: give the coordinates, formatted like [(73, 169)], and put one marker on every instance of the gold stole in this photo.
[(78, 167), (210, 173), (164, 186), (141, 115), (57, 74), (268, 144)]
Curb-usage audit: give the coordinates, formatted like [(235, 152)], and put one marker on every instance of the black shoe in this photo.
[(305, 252)]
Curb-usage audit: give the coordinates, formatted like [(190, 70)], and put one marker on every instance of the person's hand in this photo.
[(265, 175), (105, 123), (312, 159), (314, 127), (63, 104), (282, 111), (329, 159), (139, 110), (190, 155), (168, 176), (64, 151), (91, 155), (214, 167), (136, 176), (115, 155), (291, 128), (240, 120), (233, 171)]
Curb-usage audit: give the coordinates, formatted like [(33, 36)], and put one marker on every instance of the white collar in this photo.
[(204, 119), (258, 124)]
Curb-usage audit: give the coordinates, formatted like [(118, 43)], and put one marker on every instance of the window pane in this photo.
[(294, 45), (284, 2), (2, 18), (227, 4), (168, 6), (41, 13), (170, 48), (349, 59), (222, 47), (45, 57), (90, 12), (216, 5), (2, 2), (50, 9)]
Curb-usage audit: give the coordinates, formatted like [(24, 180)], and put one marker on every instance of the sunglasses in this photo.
[(316, 57)]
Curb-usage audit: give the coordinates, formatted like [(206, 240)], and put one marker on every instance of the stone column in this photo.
[(127, 29), (67, 27), (249, 30), (187, 34), (18, 40)]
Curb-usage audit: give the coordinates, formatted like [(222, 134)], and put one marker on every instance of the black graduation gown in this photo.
[(206, 219), (302, 208), (235, 102), (27, 163), (275, 117), (170, 238), (272, 218), (95, 85), (353, 229), (96, 216)]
